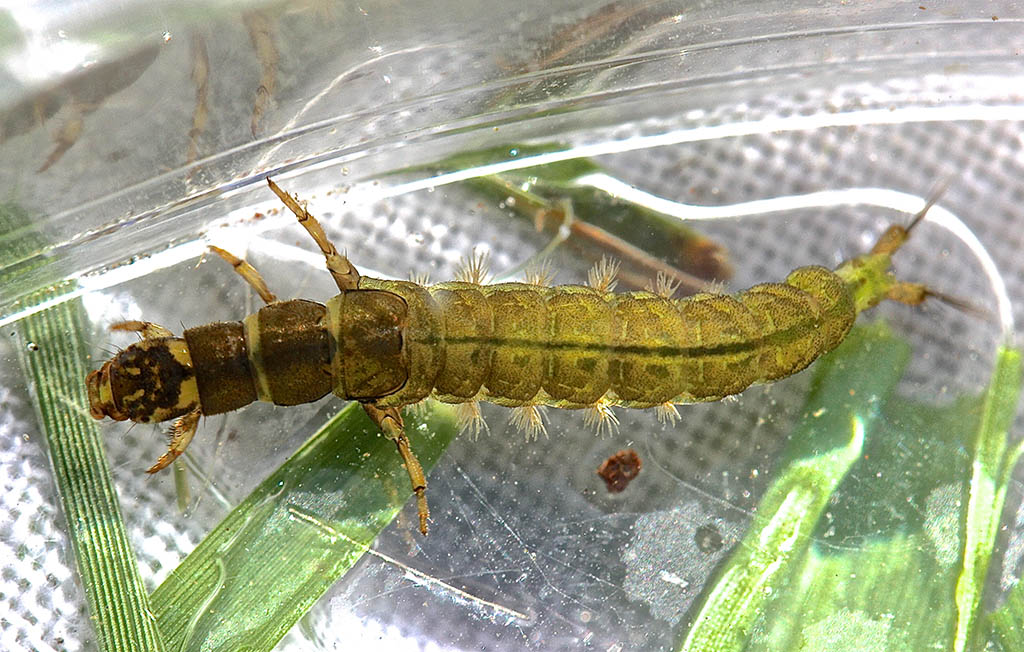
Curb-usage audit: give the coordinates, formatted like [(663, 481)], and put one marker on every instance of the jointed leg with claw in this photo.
[(184, 427), (147, 330), (160, 378), (389, 420)]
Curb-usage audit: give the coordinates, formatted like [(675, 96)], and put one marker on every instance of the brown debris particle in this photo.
[(619, 470)]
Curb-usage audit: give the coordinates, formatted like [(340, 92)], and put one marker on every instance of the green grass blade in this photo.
[(922, 502), (605, 222), (909, 505), (1006, 626), (288, 542), (57, 363), (849, 387), (879, 596), (991, 467)]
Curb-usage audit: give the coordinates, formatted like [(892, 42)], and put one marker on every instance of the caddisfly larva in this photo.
[(390, 344)]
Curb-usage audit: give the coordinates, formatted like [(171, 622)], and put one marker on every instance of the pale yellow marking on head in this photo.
[(106, 394), (601, 276), (179, 349), (143, 401), (188, 390), (529, 420)]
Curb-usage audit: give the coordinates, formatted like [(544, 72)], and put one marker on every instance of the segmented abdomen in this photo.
[(396, 342), (517, 344)]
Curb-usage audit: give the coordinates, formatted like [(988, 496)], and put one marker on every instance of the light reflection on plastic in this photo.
[(880, 197), (867, 117)]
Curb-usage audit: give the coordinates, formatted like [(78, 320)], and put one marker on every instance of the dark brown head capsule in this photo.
[(149, 381)]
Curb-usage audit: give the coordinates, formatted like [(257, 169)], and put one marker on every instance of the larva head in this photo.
[(149, 381)]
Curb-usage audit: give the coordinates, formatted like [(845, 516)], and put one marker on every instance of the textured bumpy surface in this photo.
[(513, 344), (571, 346)]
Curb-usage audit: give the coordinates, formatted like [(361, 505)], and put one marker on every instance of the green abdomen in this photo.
[(569, 346)]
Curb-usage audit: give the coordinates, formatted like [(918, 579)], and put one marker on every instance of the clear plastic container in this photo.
[(132, 138)]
